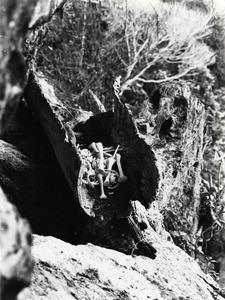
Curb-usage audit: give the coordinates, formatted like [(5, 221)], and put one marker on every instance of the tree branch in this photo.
[(177, 76)]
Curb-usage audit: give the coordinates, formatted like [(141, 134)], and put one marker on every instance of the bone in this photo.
[(93, 147), (84, 153), (107, 151), (101, 157), (122, 177), (90, 172), (111, 162), (103, 195)]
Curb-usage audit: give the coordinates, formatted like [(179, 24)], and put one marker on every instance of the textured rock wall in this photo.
[(15, 18), (15, 239), (15, 255), (90, 272)]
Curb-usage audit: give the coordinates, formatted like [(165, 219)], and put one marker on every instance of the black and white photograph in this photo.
[(112, 149)]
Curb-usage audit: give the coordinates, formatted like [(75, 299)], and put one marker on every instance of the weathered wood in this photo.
[(50, 111), (60, 125), (66, 130), (143, 172)]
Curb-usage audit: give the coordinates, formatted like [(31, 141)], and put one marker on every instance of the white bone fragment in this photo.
[(103, 195), (101, 158), (94, 147), (91, 174), (111, 161)]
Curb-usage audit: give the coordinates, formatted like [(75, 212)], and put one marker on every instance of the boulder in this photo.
[(15, 18), (64, 271), (15, 255)]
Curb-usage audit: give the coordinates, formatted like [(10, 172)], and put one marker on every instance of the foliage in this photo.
[(156, 38), (142, 43)]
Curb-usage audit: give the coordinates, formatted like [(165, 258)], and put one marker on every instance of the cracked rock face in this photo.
[(64, 271), (15, 255)]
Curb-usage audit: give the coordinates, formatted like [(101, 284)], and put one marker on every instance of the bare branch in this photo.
[(121, 59), (130, 81), (128, 45), (131, 67), (175, 77)]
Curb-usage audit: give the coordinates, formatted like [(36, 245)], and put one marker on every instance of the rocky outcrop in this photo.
[(15, 238), (14, 26), (15, 255), (64, 271), (16, 18), (44, 10)]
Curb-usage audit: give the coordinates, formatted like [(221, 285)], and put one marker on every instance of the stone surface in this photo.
[(64, 271), (15, 255), (15, 239), (44, 10), (15, 17)]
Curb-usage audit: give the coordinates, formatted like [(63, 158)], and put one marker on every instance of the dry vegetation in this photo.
[(142, 43)]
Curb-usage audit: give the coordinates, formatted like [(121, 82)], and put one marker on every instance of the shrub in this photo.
[(93, 44), (156, 40)]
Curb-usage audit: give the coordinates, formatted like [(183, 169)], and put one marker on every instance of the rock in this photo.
[(44, 10), (16, 18), (64, 271), (14, 25), (15, 239), (15, 255)]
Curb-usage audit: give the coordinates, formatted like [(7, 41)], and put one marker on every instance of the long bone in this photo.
[(122, 177), (101, 168), (100, 178), (94, 147), (111, 161)]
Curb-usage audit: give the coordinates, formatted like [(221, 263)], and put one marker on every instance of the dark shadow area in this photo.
[(154, 99), (164, 131), (96, 129), (32, 179), (180, 102)]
